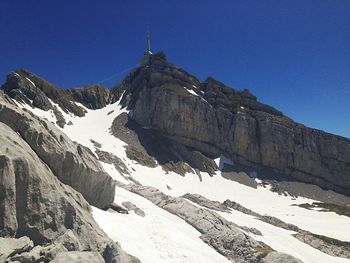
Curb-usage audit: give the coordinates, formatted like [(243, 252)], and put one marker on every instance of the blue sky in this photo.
[(294, 55)]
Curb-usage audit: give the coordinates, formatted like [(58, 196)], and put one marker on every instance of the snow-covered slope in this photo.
[(163, 237)]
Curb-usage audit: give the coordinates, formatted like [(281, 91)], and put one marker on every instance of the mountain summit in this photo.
[(169, 160)]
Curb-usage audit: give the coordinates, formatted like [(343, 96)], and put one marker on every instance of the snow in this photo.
[(221, 161), (260, 200), (30, 81), (48, 115), (281, 240), (158, 237), (191, 91)]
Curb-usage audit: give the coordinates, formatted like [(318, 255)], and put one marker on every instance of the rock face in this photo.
[(78, 257), (214, 119), (73, 164), (12, 246), (26, 87), (92, 97)]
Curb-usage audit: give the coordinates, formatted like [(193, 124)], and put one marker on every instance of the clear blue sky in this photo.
[(294, 55)]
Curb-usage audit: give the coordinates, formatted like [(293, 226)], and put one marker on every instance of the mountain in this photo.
[(170, 168)]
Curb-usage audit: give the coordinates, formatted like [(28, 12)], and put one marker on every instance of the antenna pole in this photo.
[(148, 41)]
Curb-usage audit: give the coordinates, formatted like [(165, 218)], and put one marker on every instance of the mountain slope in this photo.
[(206, 173)]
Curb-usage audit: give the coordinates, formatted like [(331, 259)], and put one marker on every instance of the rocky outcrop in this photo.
[(150, 148), (73, 164), (28, 88), (132, 207), (78, 257), (13, 246), (202, 201), (92, 97), (214, 119), (277, 257)]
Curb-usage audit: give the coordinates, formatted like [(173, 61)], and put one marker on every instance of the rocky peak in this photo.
[(215, 119), (28, 88)]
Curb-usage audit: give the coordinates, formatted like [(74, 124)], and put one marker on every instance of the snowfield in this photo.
[(158, 237), (163, 237)]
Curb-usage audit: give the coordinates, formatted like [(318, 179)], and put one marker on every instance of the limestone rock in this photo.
[(220, 120), (202, 201), (32, 256), (92, 97), (78, 257), (277, 257), (12, 246), (131, 207), (73, 164), (26, 87)]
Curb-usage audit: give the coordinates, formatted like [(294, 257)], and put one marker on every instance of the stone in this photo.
[(202, 201), (132, 207), (31, 256), (277, 257), (35, 203), (92, 97), (222, 120), (78, 257), (28, 88), (12, 246), (72, 163)]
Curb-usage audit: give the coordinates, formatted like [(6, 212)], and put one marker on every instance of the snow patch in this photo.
[(30, 81)]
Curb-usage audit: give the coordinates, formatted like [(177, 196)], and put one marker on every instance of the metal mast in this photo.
[(148, 42)]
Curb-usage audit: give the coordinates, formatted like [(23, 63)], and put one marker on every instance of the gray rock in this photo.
[(131, 207), (325, 244), (205, 202), (277, 257), (60, 121), (35, 203), (92, 97), (78, 257), (117, 208), (26, 87), (12, 246), (110, 158), (32, 256), (223, 120), (145, 146), (72, 163)]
